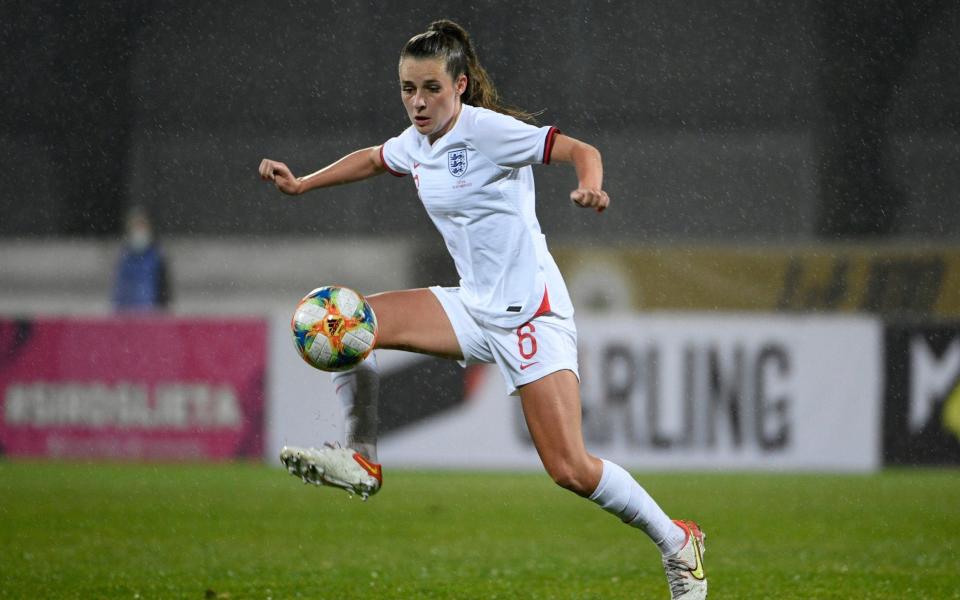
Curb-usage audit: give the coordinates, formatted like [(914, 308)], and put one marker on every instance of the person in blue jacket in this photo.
[(141, 279)]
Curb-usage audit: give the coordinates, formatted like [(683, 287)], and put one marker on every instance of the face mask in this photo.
[(139, 239)]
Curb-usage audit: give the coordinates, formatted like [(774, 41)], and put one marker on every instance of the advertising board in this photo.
[(132, 388), (665, 391)]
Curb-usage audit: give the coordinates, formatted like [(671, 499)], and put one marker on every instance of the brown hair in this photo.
[(447, 40)]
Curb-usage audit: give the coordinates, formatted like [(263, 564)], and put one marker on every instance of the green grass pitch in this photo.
[(250, 531)]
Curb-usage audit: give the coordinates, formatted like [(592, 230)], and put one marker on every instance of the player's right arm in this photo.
[(355, 166)]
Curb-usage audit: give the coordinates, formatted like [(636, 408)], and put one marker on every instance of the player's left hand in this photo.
[(588, 198)]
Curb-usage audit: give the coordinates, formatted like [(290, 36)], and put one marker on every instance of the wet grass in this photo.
[(250, 531)]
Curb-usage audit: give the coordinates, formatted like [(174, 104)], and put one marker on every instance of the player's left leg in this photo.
[(412, 320), (353, 467), (551, 407), (358, 391)]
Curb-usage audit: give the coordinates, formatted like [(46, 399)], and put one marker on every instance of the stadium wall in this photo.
[(209, 276), (895, 280), (260, 275)]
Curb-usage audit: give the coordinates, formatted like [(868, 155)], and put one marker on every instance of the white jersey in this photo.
[(477, 186)]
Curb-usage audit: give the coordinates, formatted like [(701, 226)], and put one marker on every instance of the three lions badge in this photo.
[(457, 162)]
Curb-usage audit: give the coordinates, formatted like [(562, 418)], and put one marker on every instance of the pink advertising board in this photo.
[(133, 388)]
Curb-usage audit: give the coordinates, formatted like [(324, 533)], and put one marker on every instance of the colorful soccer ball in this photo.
[(334, 328)]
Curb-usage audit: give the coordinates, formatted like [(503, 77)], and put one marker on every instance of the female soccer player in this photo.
[(469, 157)]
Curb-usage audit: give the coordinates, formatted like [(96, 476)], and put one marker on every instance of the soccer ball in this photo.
[(334, 328)]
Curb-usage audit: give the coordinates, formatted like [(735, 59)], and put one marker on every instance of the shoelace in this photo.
[(675, 568)]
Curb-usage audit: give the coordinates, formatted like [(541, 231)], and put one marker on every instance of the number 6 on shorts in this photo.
[(524, 336)]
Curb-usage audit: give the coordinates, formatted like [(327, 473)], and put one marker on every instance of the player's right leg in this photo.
[(412, 320)]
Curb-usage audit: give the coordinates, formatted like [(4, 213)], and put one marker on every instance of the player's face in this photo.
[(430, 95)]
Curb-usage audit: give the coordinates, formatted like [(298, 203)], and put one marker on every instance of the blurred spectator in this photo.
[(140, 282)]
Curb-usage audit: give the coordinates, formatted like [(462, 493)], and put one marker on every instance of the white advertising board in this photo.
[(659, 392)]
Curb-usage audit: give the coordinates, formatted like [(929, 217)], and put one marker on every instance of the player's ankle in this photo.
[(673, 543)]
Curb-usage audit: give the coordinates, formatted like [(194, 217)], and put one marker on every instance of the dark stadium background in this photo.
[(743, 120)]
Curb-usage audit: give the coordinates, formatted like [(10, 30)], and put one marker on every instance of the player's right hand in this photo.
[(280, 175)]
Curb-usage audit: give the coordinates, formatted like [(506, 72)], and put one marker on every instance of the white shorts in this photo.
[(543, 345)]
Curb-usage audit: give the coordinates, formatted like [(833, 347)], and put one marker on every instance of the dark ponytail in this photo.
[(447, 40)]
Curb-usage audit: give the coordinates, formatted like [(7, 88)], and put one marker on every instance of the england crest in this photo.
[(457, 162)]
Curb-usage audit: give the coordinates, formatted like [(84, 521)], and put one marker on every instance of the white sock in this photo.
[(358, 391), (619, 493)]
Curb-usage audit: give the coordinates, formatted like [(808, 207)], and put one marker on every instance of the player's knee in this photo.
[(571, 476)]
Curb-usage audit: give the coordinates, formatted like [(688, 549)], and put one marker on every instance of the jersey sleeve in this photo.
[(394, 156), (512, 143)]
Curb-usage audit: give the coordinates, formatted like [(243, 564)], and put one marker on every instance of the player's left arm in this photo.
[(589, 166)]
